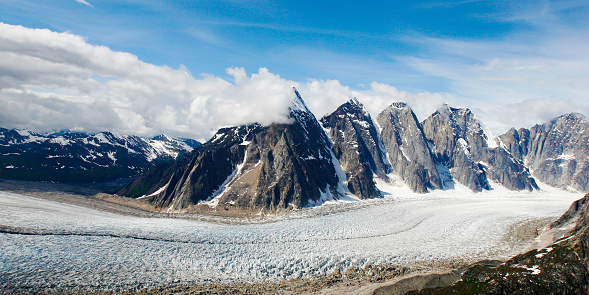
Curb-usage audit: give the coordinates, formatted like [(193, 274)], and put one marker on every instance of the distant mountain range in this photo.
[(80, 157), (287, 166)]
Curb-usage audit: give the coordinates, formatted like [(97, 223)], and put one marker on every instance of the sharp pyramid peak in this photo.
[(354, 104), (355, 101), (298, 103)]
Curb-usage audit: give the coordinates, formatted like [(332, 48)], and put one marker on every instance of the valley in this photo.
[(55, 246)]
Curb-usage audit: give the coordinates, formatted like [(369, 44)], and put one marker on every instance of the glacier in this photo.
[(77, 248)]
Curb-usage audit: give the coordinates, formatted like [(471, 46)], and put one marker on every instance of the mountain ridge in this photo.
[(306, 162), (80, 157), (254, 167), (446, 148)]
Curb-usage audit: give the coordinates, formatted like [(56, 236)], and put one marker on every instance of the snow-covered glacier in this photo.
[(68, 245)]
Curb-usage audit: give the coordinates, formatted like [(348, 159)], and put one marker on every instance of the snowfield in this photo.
[(68, 245)]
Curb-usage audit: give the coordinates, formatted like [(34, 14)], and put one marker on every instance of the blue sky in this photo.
[(355, 43), (478, 54)]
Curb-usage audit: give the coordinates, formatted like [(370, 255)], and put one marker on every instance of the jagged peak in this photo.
[(399, 105), (298, 103), (573, 116), (354, 101), (354, 104), (447, 110)]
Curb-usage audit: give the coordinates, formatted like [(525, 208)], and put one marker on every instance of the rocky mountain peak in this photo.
[(461, 145), (272, 168), (357, 146), (407, 148), (571, 118), (298, 104), (557, 152), (399, 105), (355, 101)]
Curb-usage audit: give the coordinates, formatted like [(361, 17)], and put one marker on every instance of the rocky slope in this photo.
[(81, 157), (357, 146), (560, 268), (461, 146), (275, 167), (407, 148), (557, 152), (285, 166)]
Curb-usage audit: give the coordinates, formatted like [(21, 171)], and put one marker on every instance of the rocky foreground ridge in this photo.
[(287, 166), (560, 268)]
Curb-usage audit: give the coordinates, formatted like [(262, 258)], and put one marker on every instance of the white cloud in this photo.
[(55, 80), (527, 113), (84, 2), (51, 80), (325, 96)]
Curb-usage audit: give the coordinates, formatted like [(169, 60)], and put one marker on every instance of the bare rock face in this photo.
[(407, 149), (357, 146), (460, 144), (557, 152), (276, 167)]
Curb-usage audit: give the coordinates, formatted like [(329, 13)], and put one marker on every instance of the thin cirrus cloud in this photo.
[(526, 78), (52, 81), (84, 2)]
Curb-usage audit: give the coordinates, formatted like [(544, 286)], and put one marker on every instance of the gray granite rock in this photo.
[(275, 167), (357, 146), (460, 144), (557, 152), (407, 148)]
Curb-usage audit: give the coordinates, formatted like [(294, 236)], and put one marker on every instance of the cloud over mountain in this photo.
[(51, 80)]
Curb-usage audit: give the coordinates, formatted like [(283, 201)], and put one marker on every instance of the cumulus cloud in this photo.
[(527, 113), (56, 80), (51, 81), (326, 96)]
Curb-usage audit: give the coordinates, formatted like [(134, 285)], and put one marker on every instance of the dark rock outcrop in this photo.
[(557, 152), (357, 146), (407, 149), (255, 167)]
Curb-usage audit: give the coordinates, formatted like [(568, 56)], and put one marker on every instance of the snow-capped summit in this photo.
[(250, 168)]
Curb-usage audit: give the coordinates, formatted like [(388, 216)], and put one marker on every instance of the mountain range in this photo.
[(79, 157), (343, 155), (307, 162)]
